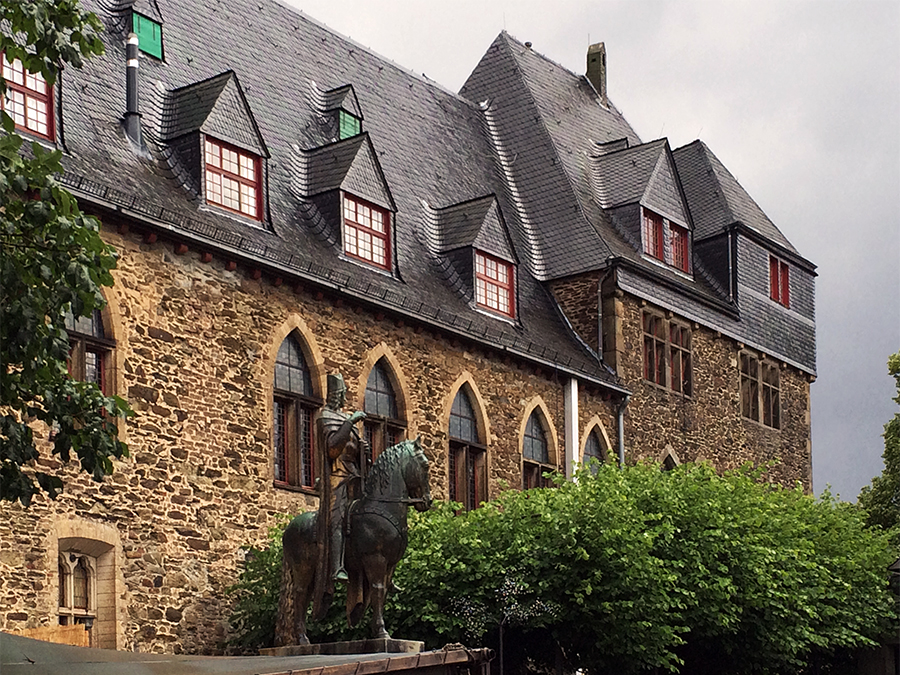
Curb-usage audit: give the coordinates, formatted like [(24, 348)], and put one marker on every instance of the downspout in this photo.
[(571, 413), (621, 430)]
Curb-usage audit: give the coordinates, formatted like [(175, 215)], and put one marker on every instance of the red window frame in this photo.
[(653, 235), (33, 93), (495, 284), (779, 281), (367, 232), (680, 247), (228, 163)]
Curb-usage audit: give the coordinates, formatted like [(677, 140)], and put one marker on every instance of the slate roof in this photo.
[(428, 143), (525, 163), (717, 199)]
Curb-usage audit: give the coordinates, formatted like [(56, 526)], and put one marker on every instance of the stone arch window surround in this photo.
[(538, 408), (380, 429), (293, 327), (100, 546), (464, 452), (595, 427)]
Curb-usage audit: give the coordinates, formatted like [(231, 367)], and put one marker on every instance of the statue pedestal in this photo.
[(385, 646)]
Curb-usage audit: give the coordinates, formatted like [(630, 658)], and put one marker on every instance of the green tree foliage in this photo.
[(633, 569), (881, 499), (52, 262)]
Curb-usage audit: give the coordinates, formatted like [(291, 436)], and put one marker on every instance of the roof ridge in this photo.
[(654, 173), (555, 151), (424, 79), (720, 193)]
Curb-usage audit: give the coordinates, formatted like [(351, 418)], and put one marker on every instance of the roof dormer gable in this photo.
[(477, 223), (642, 174), (340, 112), (217, 107), (350, 165)]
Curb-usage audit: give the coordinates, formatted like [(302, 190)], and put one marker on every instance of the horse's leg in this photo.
[(304, 575), (376, 569), (284, 625)]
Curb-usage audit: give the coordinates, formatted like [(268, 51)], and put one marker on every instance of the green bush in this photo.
[(626, 570)]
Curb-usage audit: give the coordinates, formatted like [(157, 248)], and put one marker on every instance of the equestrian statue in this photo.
[(359, 532)]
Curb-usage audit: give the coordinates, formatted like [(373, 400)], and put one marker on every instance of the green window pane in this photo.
[(149, 35), (349, 124)]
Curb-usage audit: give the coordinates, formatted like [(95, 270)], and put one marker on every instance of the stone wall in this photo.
[(708, 424), (196, 342)]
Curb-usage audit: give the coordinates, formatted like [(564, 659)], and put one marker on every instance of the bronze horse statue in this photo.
[(375, 542)]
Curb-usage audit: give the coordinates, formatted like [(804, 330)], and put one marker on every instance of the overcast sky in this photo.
[(801, 101)]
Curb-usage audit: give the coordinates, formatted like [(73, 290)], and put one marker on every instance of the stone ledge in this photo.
[(379, 646)]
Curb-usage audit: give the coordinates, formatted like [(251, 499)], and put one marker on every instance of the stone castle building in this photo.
[(509, 271)]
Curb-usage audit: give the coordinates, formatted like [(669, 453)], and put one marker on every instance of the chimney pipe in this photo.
[(596, 70), (132, 116)]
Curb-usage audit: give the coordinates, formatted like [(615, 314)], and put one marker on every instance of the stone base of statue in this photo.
[(379, 646)]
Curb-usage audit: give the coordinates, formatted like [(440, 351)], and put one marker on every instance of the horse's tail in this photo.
[(286, 621)]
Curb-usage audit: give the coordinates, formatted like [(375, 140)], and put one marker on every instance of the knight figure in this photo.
[(341, 454)]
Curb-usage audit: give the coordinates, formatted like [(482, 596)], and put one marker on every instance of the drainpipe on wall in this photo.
[(571, 412), (132, 116), (621, 430)]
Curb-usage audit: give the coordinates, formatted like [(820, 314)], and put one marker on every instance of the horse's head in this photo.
[(415, 475)]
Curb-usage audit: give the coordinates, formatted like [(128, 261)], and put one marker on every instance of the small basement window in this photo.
[(349, 125), (149, 34), (232, 178)]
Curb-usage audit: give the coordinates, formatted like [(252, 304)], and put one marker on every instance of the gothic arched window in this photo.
[(383, 426), (594, 448), (294, 407), (468, 479), (535, 453), (90, 350)]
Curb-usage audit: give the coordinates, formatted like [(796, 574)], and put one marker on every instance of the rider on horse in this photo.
[(341, 454)]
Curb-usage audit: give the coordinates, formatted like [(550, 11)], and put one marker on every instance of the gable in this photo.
[(663, 193), (217, 107), (349, 165), (476, 223)]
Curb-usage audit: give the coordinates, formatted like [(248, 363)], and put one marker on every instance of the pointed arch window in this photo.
[(294, 408), (77, 589), (535, 454), (383, 426), (90, 350), (468, 475), (594, 448)]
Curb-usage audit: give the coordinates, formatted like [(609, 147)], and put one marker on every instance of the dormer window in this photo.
[(367, 230), (656, 230), (29, 99), (779, 281), (494, 284), (149, 34), (348, 125), (232, 178)]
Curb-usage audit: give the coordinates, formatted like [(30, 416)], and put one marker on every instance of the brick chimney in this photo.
[(596, 70)]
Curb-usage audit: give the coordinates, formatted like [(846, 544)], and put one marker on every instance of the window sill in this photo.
[(313, 492), (761, 425), (665, 390)]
